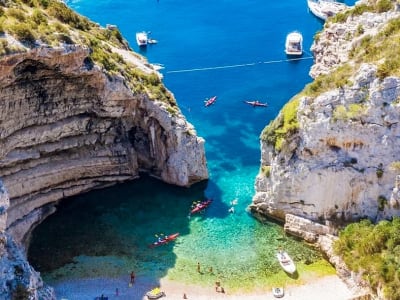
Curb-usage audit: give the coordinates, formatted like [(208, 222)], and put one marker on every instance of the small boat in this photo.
[(278, 292), (155, 293), (286, 262), (324, 9), (294, 44), (165, 240), (142, 38), (200, 206), (152, 41), (256, 103), (210, 101)]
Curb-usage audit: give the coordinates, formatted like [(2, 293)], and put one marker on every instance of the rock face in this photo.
[(342, 162), (66, 127), (18, 278)]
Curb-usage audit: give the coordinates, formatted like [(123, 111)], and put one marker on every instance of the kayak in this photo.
[(165, 240), (256, 103), (210, 101), (201, 206)]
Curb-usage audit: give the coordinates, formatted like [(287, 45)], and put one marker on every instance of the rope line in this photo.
[(239, 65)]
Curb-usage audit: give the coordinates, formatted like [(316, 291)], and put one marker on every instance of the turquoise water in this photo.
[(106, 233)]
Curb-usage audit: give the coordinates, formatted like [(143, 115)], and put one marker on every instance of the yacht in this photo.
[(142, 38), (325, 8), (294, 44)]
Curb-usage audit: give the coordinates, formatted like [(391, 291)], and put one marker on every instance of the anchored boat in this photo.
[(286, 262), (294, 44)]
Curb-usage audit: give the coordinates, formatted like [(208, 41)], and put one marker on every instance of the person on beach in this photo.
[(132, 277), (198, 267)]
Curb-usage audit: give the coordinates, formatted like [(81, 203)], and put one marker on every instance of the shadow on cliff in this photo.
[(107, 233)]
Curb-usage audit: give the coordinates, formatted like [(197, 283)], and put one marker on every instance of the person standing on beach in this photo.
[(132, 277), (198, 267)]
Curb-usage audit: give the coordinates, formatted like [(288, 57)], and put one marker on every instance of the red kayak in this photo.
[(165, 240), (201, 206), (210, 101), (256, 103)]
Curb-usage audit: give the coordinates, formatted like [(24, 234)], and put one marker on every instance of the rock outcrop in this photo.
[(18, 279), (67, 127), (78, 111), (340, 162)]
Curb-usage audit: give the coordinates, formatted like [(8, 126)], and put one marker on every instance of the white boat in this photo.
[(278, 292), (325, 8), (286, 262), (142, 38), (294, 44)]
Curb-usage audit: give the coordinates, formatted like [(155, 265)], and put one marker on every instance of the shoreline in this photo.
[(329, 287)]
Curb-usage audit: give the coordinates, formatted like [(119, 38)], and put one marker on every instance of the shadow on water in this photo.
[(107, 233)]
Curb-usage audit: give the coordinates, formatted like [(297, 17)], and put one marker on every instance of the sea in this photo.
[(230, 49)]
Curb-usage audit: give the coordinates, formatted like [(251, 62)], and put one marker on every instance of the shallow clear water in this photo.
[(107, 232)]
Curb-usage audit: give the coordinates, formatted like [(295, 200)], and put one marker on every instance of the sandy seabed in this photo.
[(326, 288)]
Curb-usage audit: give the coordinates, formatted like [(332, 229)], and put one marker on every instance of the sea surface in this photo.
[(231, 49)]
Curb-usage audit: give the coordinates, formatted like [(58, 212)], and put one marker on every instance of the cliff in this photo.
[(332, 154), (78, 111)]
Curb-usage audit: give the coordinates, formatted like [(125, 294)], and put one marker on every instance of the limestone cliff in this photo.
[(66, 127), (332, 154), (78, 111)]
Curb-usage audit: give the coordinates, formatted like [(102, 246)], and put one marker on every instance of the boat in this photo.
[(278, 292), (256, 103), (210, 101), (142, 38), (294, 44), (152, 41), (324, 9), (286, 262), (165, 240), (155, 293), (200, 206)]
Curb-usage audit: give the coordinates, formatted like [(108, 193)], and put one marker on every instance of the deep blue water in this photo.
[(118, 223)]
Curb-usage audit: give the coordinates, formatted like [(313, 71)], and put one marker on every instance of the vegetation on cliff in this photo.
[(27, 24), (373, 251)]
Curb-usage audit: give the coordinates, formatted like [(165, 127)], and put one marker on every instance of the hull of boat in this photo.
[(294, 44), (286, 262), (141, 39), (325, 8)]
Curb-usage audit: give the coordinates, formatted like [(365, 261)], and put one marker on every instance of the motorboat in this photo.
[(324, 9), (142, 38), (210, 101), (294, 44), (286, 262)]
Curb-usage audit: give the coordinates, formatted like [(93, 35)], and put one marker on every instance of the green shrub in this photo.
[(266, 171), (16, 13), (383, 6), (283, 126), (23, 32), (395, 166), (38, 17), (382, 201), (373, 250)]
